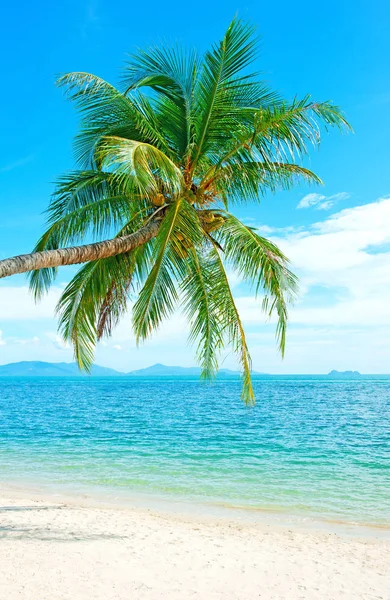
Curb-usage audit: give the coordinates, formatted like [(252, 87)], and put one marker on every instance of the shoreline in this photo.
[(178, 508), (81, 549)]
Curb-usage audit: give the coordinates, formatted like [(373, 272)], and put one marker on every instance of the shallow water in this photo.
[(311, 446)]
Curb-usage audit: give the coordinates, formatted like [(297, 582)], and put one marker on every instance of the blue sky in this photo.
[(337, 236)]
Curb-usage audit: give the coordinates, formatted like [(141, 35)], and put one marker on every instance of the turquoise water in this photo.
[(311, 446)]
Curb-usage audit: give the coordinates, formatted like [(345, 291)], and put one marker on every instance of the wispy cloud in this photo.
[(13, 340), (336, 254), (341, 319), (17, 163), (16, 303), (27, 341), (91, 22), (60, 344), (321, 202)]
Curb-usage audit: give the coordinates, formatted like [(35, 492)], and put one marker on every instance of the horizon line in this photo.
[(258, 373)]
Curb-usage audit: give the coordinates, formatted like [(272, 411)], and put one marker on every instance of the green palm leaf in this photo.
[(170, 72), (158, 297), (85, 203), (163, 160), (202, 312), (85, 299), (261, 263), (249, 181), (106, 111), (150, 169), (223, 301), (279, 133), (218, 79)]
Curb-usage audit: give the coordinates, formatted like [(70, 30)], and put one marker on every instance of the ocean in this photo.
[(312, 446)]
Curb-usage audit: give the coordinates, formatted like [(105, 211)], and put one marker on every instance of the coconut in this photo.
[(159, 200), (181, 251), (208, 217), (215, 224), (191, 196)]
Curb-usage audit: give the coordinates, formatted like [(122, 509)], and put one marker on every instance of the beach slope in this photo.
[(78, 552)]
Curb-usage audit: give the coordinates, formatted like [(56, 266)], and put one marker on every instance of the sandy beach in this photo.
[(77, 550)]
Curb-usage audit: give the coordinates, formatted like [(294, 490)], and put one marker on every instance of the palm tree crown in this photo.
[(172, 151)]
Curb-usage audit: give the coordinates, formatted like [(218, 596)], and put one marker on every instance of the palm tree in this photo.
[(161, 163)]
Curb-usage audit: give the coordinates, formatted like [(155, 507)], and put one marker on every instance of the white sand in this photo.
[(81, 552)]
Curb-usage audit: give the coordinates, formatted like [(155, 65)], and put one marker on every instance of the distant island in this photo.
[(159, 370), (46, 369), (63, 369), (344, 374)]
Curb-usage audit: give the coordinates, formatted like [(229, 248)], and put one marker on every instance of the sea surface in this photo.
[(312, 446)]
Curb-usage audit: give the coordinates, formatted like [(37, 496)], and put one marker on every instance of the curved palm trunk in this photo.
[(78, 254)]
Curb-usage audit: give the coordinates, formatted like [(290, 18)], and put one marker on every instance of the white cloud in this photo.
[(341, 242), (24, 342), (318, 349), (310, 200), (61, 344), (57, 341), (341, 319), (18, 341), (321, 202), (16, 303), (342, 255)]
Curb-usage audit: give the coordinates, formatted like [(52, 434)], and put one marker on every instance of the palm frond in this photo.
[(282, 132), (84, 203), (262, 264), (97, 297), (170, 72), (202, 311), (231, 322), (219, 80), (41, 280), (114, 303), (78, 188), (85, 297), (167, 70), (288, 129), (176, 125), (158, 297), (151, 170), (106, 111), (249, 180)]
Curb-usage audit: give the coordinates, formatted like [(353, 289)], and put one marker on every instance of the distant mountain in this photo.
[(159, 370), (344, 374), (45, 369)]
